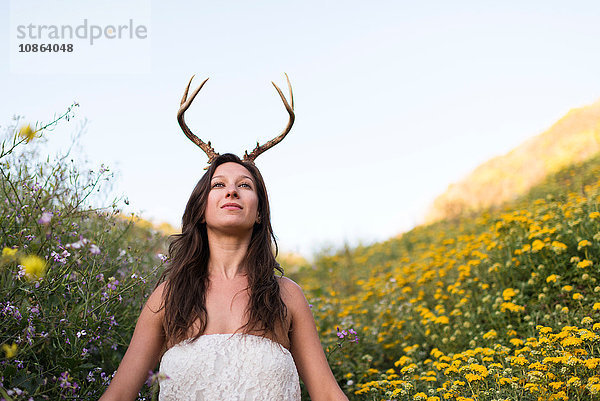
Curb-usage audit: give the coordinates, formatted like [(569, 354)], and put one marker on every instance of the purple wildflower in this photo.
[(90, 377), (350, 334), (45, 218), (60, 257), (65, 382), (10, 310), (342, 333), (112, 283), (154, 377)]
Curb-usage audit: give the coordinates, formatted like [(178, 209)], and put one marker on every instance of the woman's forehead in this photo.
[(231, 169)]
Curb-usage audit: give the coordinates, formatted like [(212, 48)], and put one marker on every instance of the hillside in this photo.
[(501, 305), (573, 138)]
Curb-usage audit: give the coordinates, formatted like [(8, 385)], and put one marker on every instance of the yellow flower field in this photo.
[(500, 305)]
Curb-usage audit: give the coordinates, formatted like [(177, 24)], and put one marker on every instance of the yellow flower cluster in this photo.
[(34, 266), (27, 133), (9, 350)]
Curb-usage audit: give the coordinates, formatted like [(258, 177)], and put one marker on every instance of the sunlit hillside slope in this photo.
[(573, 138), (502, 305)]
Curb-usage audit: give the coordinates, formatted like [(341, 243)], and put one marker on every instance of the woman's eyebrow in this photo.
[(240, 177)]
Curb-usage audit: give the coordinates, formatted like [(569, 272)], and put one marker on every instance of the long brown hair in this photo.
[(186, 274)]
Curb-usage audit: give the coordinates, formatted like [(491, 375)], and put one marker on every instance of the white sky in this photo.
[(394, 99)]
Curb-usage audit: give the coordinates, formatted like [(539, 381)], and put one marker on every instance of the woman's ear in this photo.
[(257, 218)]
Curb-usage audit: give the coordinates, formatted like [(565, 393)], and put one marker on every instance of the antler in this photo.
[(290, 109), (185, 104)]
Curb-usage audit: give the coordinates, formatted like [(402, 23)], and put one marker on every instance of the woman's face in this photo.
[(232, 205)]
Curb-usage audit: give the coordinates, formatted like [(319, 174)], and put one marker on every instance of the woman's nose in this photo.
[(232, 193)]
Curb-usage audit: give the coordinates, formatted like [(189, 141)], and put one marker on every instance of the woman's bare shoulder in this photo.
[(291, 292), (156, 299)]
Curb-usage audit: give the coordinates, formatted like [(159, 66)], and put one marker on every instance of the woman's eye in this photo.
[(218, 184), (246, 185)]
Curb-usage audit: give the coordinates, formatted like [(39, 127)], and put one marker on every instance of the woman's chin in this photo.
[(231, 229)]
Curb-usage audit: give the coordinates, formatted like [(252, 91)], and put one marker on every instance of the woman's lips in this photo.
[(231, 206)]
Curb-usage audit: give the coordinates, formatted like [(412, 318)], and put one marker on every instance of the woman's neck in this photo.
[(226, 254)]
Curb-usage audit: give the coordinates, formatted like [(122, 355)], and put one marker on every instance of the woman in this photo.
[(223, 325)]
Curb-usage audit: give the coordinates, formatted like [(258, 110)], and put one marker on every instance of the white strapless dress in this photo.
[(229, 367)]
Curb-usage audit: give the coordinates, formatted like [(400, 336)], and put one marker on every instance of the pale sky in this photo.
[(394, 100)]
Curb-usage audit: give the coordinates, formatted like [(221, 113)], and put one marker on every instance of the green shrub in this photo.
[(73, 276)]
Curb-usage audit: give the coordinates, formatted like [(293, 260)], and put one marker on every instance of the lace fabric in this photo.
[(229, 367)]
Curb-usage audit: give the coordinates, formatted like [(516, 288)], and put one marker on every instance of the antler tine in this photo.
[(290, 109), (185, 104)]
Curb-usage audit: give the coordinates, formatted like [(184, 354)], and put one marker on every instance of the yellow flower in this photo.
[(544, 329), (8, 255), (558, 247), (594, 215), (490, 335), (532, 387), (537, 245), (504, 380), (556, 385), (27, 133), (587, 320), (518, 360), (408, 369), (511, 307), (538, 366), (472, 377), (552, 278), (9, 252), (567, 288), (587, 335), (583, 244), (9, 350), (516, 342), (584, 263), (508, 294), (35, 267), (596, 306), (403, 361), (560, 396), (591, 363), (480, 369), (577, 296), (571, 342)]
